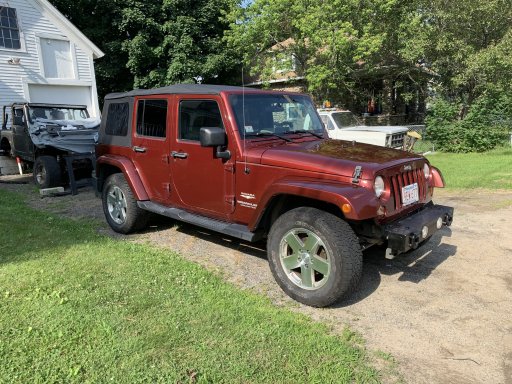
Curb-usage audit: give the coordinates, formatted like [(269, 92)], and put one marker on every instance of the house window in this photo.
[(57, 59), (9, 29)]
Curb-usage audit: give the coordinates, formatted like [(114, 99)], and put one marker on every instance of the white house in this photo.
[(44, 58)]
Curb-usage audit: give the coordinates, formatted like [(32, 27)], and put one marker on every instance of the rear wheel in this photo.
[(46, 172), (314, 256), (120, 206)]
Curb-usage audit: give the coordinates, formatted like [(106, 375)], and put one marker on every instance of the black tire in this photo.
[(315, 257), (120, 206), (46, 172)]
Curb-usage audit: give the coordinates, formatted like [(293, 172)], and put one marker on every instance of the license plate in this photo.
[(410, 194)]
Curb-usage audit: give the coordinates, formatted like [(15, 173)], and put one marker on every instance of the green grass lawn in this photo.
[(491, 170), (79, 307)]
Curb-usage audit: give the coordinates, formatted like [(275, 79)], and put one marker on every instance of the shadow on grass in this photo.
[(26, 234)]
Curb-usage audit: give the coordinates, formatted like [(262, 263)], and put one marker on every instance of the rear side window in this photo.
[(196, 114), (152, 118), (117, 119)]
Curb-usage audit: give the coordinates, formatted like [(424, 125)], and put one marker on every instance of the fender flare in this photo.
[(129, 171), (362, 200)]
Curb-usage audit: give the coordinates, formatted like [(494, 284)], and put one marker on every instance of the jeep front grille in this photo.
[(400, 180), (397, 140)]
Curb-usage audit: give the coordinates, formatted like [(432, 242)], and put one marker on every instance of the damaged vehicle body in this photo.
[(57, 141)]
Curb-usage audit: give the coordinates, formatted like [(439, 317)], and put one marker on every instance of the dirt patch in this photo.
[(444, 311)]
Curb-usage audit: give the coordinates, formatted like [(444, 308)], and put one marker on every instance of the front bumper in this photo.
[(407, 233)]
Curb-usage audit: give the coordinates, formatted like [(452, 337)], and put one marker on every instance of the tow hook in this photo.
[(447, 220), (414, 240)]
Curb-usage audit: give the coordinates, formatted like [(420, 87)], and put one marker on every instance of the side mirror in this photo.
[(215, 137), (212, 137)]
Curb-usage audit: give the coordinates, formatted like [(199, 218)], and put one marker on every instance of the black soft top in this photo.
[(187, 89)]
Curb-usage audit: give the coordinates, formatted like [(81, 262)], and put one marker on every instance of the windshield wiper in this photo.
[(259, 134), (306, 131)]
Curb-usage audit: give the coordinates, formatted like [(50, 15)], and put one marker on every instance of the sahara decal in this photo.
[(247, 196)]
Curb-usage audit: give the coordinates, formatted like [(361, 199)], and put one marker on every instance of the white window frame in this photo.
[(72, 50), (23, 47)]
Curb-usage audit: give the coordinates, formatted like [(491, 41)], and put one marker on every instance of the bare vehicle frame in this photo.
[(55, 140), (258, 165)]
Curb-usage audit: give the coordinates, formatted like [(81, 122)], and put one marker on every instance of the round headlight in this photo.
[(378, 186), (426, 171)]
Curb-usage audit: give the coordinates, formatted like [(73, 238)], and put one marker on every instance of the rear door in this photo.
[(202, 181), (150, 144)]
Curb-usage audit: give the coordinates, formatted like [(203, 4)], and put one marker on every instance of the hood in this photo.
[(337, 157), (77, 136), (388, 129)]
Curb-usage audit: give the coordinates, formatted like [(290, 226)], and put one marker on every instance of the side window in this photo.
[(117, 119), (18, 116), (152, 118), (196, 114), (327, 122)]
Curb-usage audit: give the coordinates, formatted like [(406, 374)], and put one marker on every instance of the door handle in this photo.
[(139, 149), (179, 155)]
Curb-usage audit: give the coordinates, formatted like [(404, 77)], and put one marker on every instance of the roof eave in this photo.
[(78, 35)]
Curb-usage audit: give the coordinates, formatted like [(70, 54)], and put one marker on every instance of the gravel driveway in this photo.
[(444, 312)]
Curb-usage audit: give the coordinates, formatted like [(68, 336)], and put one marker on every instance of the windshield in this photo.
[(259, 114), (345, 119), (50, 113)]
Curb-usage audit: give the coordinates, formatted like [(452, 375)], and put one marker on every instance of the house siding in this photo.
[(15, 77)]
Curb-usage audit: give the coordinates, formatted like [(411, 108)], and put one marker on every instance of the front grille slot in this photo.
[(400, 180), (397, 140)]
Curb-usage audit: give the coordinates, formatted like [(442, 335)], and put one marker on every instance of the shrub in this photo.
[(486, 125)]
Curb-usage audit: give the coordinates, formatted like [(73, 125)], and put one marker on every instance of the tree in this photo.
[(469, 46), (99, 20), (332, 41), (155, 42)]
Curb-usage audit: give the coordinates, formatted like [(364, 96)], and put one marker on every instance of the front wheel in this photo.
[(47, 173), (314, 256), (120, 206)]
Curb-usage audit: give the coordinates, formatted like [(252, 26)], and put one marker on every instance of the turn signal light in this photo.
[(346, 208)]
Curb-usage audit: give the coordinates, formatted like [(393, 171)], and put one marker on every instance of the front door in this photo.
[(201, 180), (23, 146), (150, 144)]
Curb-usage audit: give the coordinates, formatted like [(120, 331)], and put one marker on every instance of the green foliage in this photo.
[(78, 307), (332, 42), (466, 46), (485, 126), (154, 43), (469, 45)]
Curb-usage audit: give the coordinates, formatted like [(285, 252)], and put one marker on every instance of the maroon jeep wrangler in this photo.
[(255, 165)]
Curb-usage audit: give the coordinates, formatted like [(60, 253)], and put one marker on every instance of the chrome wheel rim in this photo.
[(40, 174), (116, 204), (305, 259)]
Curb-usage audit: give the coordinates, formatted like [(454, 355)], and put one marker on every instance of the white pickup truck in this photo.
[(343, 125)]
